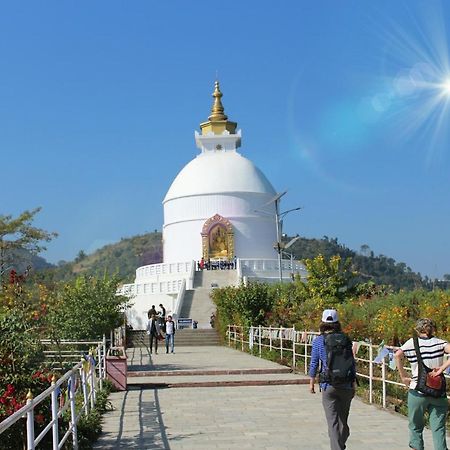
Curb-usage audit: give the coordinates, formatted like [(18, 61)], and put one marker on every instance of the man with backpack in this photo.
[(332, 357)]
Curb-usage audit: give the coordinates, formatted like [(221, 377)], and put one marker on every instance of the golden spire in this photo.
[(218, 121), (217, 111)]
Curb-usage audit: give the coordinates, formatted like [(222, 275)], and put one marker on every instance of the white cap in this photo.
[(330, 316)]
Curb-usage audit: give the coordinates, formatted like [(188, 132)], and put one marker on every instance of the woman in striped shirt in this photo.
[(432, 350)]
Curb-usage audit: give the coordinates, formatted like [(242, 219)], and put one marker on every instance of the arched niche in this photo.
[(217, 238)]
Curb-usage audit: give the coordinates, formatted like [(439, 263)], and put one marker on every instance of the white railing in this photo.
[(156, 270), (298, 344), (159, 287), (59, 358), (80, 381), (179, 300), (269, 268), (190, 279)]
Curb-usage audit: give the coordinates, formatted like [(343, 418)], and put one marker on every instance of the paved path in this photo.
[(258, 417)]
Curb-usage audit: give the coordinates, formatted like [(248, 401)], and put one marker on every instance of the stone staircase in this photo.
[(198, 306), (197, 303)]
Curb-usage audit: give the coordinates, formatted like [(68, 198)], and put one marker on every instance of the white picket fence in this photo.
[(297, 345), (83, 381)]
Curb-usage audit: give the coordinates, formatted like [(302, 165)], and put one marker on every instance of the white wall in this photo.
[(255, 232), (137, 315)]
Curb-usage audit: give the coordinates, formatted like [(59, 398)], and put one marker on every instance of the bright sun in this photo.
[(446, 86)]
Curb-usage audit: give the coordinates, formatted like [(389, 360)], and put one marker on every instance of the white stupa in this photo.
[(219, 205), (220, 208)]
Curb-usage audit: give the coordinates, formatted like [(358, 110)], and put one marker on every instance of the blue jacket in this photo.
[(319, 354)]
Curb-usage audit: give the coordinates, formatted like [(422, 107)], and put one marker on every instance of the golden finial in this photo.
[(218, 121), (217, 110), (29, 395)]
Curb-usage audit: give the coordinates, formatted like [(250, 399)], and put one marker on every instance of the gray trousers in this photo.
[(336, 404)]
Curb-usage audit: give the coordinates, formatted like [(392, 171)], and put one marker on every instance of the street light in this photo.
[(280, 217), (279, 224)]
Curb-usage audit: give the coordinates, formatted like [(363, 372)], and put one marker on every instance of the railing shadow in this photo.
[(150, 433)]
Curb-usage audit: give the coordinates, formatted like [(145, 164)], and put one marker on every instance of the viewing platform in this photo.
[(221, 398)]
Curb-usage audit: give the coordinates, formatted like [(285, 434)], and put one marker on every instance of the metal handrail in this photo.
[(292, 338), (80, 380)]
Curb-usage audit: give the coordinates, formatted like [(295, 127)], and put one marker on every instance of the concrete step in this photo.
[(183, 338), (162, 382), (177, 373)]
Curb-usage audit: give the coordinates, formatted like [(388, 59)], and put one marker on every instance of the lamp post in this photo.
[(279, 220), (279, 224)]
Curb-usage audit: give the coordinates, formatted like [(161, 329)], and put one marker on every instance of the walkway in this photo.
[(281, 416)]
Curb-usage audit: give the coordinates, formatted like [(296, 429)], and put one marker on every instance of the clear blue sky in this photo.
[(338, 102)]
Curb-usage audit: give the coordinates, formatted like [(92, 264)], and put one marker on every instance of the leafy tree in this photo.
[(330, 281), (86, 308), (242, 305), (18, 235)]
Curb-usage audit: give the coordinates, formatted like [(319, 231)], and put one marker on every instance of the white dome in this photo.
[(219, 172)]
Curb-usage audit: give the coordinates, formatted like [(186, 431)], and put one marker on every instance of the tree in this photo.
[(86, 308), (18, 237)]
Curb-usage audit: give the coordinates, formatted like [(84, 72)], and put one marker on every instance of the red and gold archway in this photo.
[(217, 238)]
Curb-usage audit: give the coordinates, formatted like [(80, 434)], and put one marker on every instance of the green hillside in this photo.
[(125, 256), (379, 269)]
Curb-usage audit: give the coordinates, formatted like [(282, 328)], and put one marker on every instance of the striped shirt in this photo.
[(432, 351)]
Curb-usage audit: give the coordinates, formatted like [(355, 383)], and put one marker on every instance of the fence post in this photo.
[(99, 359), (92, 379), (30, 423), (270, 337), (229, 335), (293, 347), (281, 341), (242, 339), (370, 372), (383, 377), (306, 351), (259, 335), (73, 411), (54, 406), (84, 386)]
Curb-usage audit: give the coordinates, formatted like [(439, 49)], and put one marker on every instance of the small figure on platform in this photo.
[(162, 317), (151, 311), (170, 334), (154, 332), (212, 320)]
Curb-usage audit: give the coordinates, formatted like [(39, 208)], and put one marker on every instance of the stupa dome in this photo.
[(219, 172)]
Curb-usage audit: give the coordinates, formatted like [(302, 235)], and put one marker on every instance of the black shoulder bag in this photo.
[(426, 384)]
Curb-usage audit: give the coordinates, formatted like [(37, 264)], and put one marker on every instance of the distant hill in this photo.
[(125, 256), (377, 268), (22, 259)]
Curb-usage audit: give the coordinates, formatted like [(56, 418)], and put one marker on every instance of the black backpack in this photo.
[(340, 361)]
